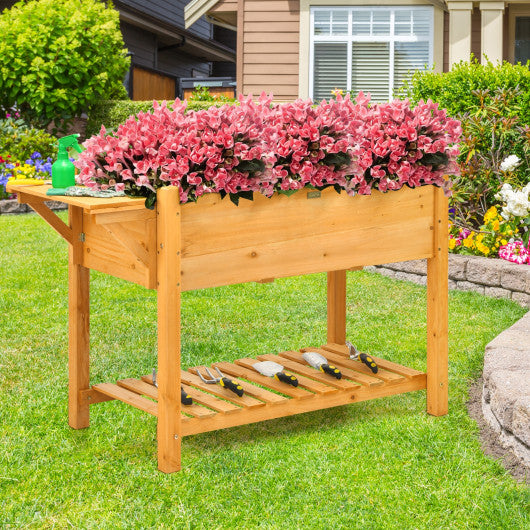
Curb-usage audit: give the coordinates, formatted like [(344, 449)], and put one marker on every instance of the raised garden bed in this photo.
[(212, 242)]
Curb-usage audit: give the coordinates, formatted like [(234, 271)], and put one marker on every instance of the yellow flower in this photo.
[(452, 244), (496, 226), (504, 242), (490, 214), (468, 242)]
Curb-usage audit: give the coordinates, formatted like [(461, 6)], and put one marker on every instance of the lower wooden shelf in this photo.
[(266, 398)]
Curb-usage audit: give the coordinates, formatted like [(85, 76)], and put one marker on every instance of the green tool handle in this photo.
[(366, 359), (185, 398), (331, 370), (284, 377), (232, 385)]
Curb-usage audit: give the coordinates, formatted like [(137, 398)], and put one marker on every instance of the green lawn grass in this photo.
[(379, 464)]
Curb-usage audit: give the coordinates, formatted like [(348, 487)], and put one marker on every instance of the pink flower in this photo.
[(258, 146), (515, 252)]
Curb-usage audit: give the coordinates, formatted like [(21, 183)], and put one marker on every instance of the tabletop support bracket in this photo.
[(50, 217)]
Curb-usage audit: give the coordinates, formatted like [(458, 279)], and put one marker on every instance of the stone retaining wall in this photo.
[(506, 390), (12, 206), (491, 277)]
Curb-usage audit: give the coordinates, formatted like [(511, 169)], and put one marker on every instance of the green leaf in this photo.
[(248, 195), (287, 192), (150, 201)]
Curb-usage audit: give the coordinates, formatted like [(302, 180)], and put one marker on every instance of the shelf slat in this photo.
[(303, 369), (217, 390), (246, 371), (117, 392), (149, 390), (251, 390), (345, 364), (203, 398), (362, 379), (314, 386), (405, 371)]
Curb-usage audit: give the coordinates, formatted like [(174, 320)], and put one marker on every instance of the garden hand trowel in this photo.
[(356, 355), (272, 369), (321, 363)]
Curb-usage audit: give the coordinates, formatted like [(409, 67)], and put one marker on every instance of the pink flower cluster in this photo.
[(515, 252), (258, 146)]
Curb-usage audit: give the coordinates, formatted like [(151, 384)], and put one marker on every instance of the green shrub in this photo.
[(59, 56), (20, 141), (493, 105), (492, 132), (458, 90), (110, 114), (202, 93)]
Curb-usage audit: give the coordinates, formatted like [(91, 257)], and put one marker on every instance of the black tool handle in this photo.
[(366, 359), (232, 385), (185, 398), (284, 377), (331, 370)]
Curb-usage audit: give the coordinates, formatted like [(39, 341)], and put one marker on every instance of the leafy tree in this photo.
[(59, 56)]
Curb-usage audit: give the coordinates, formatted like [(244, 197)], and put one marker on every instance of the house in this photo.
[(163, 52), (307, 48)]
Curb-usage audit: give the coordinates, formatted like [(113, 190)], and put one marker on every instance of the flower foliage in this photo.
[(495, 232), (258, 146), (515, 252), (35, 167)]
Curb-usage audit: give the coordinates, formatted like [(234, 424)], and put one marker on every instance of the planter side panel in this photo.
[(224, 244), (104, 252)]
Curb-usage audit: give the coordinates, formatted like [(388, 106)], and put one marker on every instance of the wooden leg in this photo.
[(168, 278), (79, 319), (337, 307), (437, 312)]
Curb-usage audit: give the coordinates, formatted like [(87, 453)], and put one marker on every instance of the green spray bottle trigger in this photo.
[(63, 171)]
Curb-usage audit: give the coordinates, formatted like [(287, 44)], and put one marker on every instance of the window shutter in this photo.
[(408, 57), (371, 69), (330, 69)]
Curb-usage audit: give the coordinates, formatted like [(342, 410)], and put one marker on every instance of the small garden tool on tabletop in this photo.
[(272, 369), (356, 355), (185, 398), (318, 361), (225, 382)]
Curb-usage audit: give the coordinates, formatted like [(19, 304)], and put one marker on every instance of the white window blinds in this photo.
[(373, 49), (330, 67)]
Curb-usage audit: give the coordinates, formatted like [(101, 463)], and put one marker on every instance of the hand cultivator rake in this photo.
[(225, 382)]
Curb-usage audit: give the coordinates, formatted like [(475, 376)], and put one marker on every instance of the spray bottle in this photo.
[(63, 171)]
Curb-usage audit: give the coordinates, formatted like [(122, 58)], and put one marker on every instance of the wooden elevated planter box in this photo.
[(213, 242)]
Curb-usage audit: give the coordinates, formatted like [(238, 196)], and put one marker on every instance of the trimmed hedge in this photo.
[(112, 113), (458, 91), (57, 57)]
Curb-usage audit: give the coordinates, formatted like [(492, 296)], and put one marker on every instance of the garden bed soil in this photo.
[(490, 440)]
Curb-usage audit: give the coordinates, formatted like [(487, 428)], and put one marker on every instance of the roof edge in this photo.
[(196, 9)]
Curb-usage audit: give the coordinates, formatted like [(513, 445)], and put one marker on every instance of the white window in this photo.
[(373, 49)]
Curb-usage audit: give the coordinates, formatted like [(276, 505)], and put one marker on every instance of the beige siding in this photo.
[(270, 48), (224, 5)]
